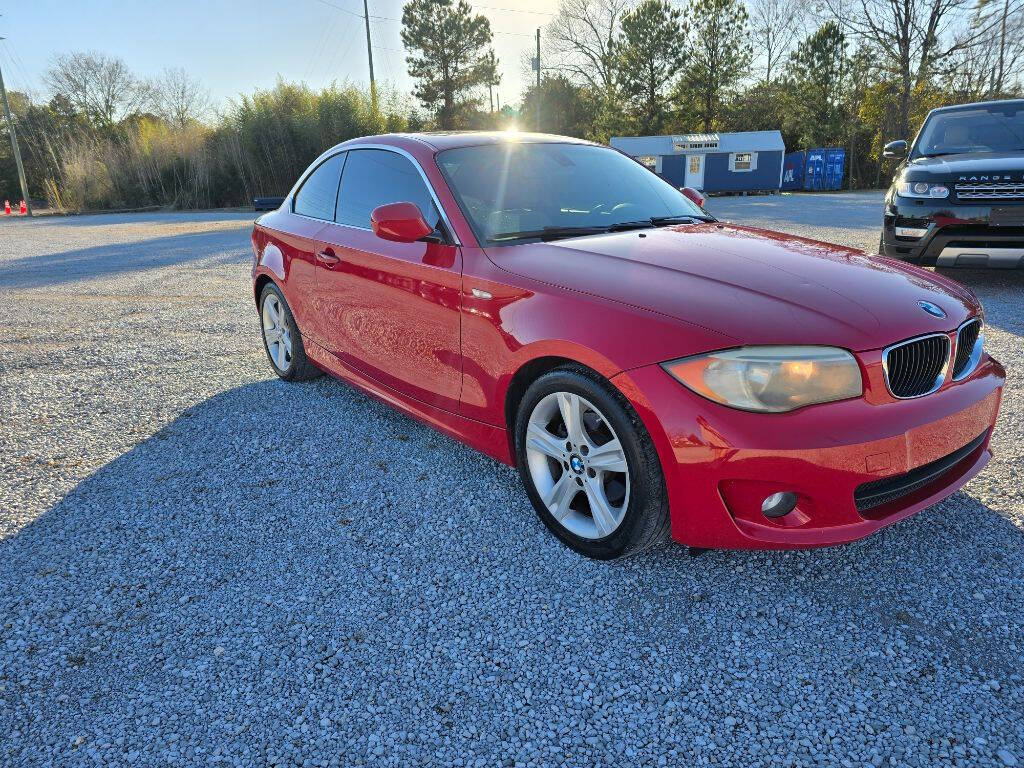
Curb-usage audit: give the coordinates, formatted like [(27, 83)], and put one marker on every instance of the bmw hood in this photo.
[(751, 286)]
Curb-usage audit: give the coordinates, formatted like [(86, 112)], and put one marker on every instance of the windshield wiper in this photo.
[(683, 218), (556, 233), (547, 233)]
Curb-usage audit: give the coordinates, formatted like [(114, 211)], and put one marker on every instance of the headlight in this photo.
[(922, 189), (771, 379)]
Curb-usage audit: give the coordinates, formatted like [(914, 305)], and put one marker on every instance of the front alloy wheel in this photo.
[(577, 465), (589, 466)]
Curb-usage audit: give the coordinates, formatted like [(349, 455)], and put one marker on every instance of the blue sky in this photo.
[(235, 46)]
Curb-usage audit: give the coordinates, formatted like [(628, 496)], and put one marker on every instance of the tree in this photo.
[(98, 85), (818, 70), (650, 53), (719, 56), (492, 77), (991, 68), (581, 41), (180, 98), (775, 24), (448, 55), (910, 39), (567, 109)]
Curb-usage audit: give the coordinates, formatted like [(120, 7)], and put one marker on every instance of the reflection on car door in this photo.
[(391, 310)]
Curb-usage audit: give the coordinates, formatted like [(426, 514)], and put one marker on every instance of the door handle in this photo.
[(327, 256)]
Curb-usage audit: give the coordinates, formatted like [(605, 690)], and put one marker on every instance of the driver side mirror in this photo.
[(895, 149), (693, 196), (399, 222)]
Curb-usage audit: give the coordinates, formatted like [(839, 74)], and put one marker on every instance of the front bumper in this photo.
[(957, 235), (720, 463)]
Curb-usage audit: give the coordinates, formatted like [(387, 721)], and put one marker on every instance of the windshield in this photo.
[(514, 192), (992, 128)]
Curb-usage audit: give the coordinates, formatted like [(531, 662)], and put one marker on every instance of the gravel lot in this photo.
[(200, 564)]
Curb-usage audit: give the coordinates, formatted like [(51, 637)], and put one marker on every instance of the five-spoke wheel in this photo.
[(589, 466), (281, 337), (276, 333), (577, 465)]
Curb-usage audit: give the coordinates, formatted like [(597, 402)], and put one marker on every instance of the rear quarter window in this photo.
[(318, 195)]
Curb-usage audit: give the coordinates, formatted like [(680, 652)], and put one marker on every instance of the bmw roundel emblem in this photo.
[(932, 309)]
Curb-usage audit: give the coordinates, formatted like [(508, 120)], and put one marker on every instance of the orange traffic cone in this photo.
[(22, 208), (7, 207)]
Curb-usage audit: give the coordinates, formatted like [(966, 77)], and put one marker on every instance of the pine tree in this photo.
[(719, 58), (448, 56), (651, 52)]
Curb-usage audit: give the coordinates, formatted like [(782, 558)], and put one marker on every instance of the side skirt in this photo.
[(486, 438)]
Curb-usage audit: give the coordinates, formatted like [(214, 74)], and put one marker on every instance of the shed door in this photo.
[(695, 171)]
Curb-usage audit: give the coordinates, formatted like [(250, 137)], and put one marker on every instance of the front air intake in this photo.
[(916, 367)]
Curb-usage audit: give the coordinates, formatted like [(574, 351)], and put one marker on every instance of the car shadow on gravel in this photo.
[(104, 261), (307, 545)]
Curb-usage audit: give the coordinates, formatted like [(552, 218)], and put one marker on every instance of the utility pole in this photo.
[(14, 145), (490, 80), (369, 56), (538, 80)]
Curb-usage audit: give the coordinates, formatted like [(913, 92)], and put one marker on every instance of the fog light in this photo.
[(910, 232), (778, 504)]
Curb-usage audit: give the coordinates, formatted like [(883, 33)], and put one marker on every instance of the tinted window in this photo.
[(376, 177), (508, 190), (319, 193)]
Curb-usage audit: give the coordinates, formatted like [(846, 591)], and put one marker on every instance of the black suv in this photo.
[(958, 196)]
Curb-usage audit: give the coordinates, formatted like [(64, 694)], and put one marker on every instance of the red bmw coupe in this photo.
[(648, 369)]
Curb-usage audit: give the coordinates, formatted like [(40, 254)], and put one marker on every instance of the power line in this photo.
[(340, 8), (513, 10)]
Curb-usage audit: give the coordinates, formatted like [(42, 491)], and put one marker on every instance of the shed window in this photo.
[(743, 161), (650, 162)]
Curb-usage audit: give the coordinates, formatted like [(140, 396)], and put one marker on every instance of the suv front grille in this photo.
[(966, 338), (990, 191), (878, 492), (916, 367)]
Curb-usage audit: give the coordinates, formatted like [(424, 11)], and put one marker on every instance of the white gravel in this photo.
[(199, 564)]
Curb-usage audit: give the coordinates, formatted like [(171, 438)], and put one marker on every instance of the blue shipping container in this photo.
[(824, 168), (793, 170)]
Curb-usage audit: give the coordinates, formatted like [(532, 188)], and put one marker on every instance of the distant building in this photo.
[(750, 161)]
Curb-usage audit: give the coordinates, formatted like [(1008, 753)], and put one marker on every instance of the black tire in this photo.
[(299, 367), (645, 522)]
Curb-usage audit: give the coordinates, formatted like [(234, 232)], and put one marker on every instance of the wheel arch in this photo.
[(529, 372), (259, 284)]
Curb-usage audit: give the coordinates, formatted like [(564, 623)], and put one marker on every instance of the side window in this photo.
[(319, 192), (376, 177)]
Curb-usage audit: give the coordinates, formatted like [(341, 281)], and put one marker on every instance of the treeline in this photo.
[(833, 74), (110, 142)]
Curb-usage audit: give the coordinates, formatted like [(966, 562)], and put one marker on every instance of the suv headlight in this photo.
[(922, 189), (771, 379)]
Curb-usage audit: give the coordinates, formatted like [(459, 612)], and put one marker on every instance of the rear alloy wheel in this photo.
[(277, 334), (281, 338), (589, 467)]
